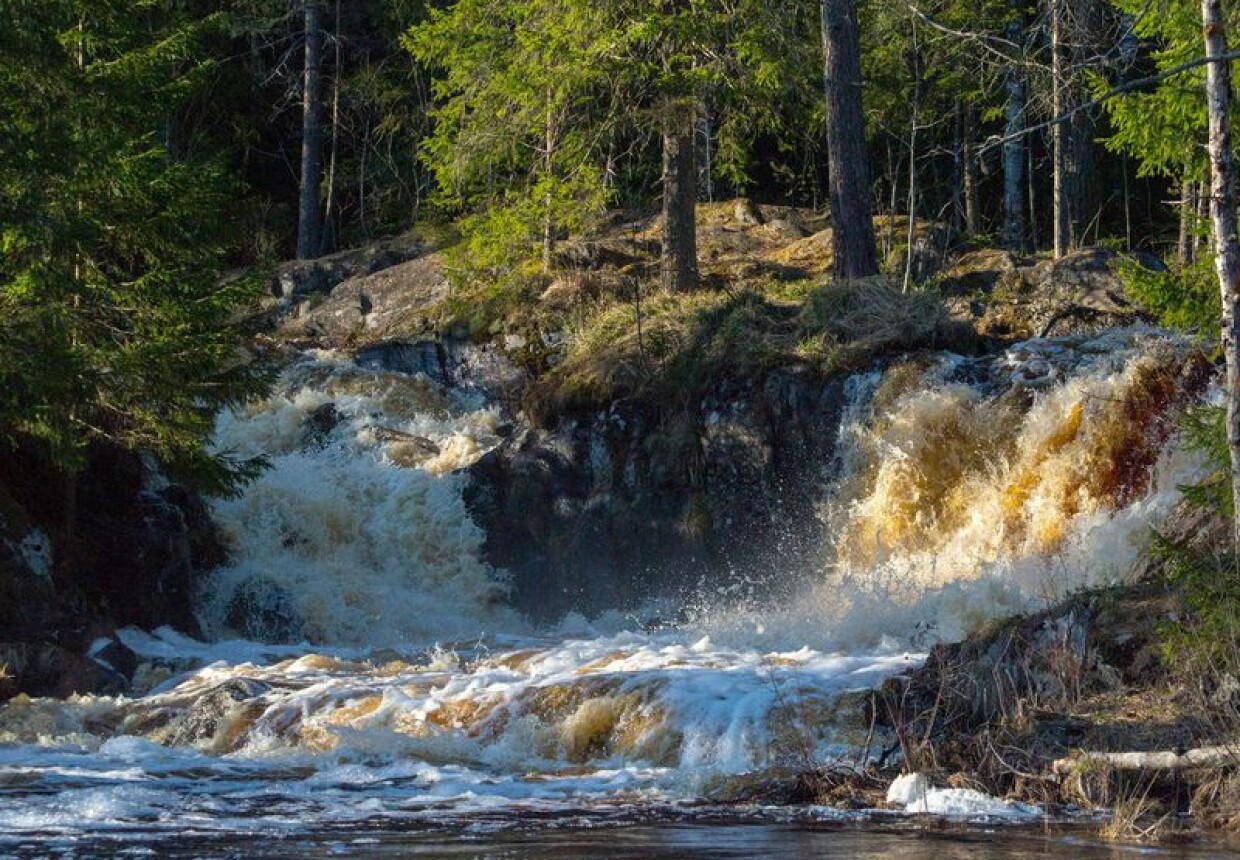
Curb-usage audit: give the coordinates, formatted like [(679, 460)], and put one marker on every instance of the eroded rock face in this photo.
[(131, 557), (631, 503), (447, 361)]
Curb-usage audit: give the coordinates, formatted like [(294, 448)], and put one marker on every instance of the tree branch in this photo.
[(1118, 90)]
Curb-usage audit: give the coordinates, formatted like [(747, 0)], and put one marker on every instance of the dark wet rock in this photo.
[(263, 611), (132, 556), (118, 656), (604, 512), (450, 362), (28, 604), (204, 717), (44, 669), (322, 420)]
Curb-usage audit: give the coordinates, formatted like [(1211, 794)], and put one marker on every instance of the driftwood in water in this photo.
[(1164, 760)]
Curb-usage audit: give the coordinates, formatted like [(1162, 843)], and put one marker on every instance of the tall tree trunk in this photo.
[(972, 207), (912, 163), (327, 238), (549, 146), (852, 220), (311, 136), (1014, 147), (1062, 228), (680, 273), (1085, 40), (1188, 212), (1223, 217)]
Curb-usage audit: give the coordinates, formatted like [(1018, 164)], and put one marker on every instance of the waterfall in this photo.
[(403, 688)]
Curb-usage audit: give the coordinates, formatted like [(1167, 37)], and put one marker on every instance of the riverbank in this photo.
[(712, 523)]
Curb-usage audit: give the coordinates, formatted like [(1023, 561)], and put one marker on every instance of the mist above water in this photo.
[(402, 688)]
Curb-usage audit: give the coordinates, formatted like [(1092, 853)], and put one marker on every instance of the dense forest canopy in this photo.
[(148, 147)]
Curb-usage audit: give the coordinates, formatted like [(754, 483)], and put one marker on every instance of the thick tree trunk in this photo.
[(1014, 147), (680, 273), (1059, 134), (852, 219), (311, 137), (1223, 217)]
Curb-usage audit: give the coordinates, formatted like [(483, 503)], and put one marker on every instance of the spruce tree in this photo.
[(114, 324)]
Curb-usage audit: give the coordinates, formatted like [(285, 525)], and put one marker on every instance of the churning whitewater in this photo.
[(404, 688)]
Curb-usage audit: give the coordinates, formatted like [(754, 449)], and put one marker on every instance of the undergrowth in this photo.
[(672, 347)]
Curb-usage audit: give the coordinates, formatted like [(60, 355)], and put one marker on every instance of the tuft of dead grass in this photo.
[(671, 348)]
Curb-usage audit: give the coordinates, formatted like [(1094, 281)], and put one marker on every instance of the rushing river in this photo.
[(416, 714)]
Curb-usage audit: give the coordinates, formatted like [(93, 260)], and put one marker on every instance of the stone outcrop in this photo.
[(384, 304), (637, 501), (131, 556), (1006, 297)]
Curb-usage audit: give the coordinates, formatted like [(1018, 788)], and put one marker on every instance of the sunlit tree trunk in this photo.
[(1223, 218), (1061, 197)]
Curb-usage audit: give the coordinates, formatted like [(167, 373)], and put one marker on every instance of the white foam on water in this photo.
[(357, 534), (407, 692)]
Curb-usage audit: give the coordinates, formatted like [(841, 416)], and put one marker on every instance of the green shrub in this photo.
[(1186, 299)]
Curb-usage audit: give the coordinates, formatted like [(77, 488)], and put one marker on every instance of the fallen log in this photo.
[(1162, 760)]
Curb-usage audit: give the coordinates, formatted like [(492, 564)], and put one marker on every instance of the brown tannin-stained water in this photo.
[(419, 716)]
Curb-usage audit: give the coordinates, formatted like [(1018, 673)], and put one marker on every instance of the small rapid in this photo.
[(366, 667)]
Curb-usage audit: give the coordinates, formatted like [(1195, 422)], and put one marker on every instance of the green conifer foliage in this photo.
[(114, 324)]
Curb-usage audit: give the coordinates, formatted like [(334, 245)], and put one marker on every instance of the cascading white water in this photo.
[(357, 531), (965, 487)]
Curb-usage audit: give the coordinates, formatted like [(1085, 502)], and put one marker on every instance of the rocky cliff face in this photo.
[(131, 556), (636, 501)]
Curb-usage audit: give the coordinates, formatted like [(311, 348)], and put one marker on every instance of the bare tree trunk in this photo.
[(1201, 201), (1014, 147), (330, 192), (549, 145), (1188, 212), (972, 208), (1032, 183), (680, 272), (852, 217), (1083, 40), (912, 165), (706, 180), (1059, 134), (1223, 217), (311, 137)]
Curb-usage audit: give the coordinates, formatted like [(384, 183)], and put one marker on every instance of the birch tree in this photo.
[(1223, 218)]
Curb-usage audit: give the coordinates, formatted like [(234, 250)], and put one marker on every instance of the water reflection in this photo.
[(710, 841)]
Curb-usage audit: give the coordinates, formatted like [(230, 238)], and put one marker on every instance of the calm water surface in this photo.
[(683, 841)]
